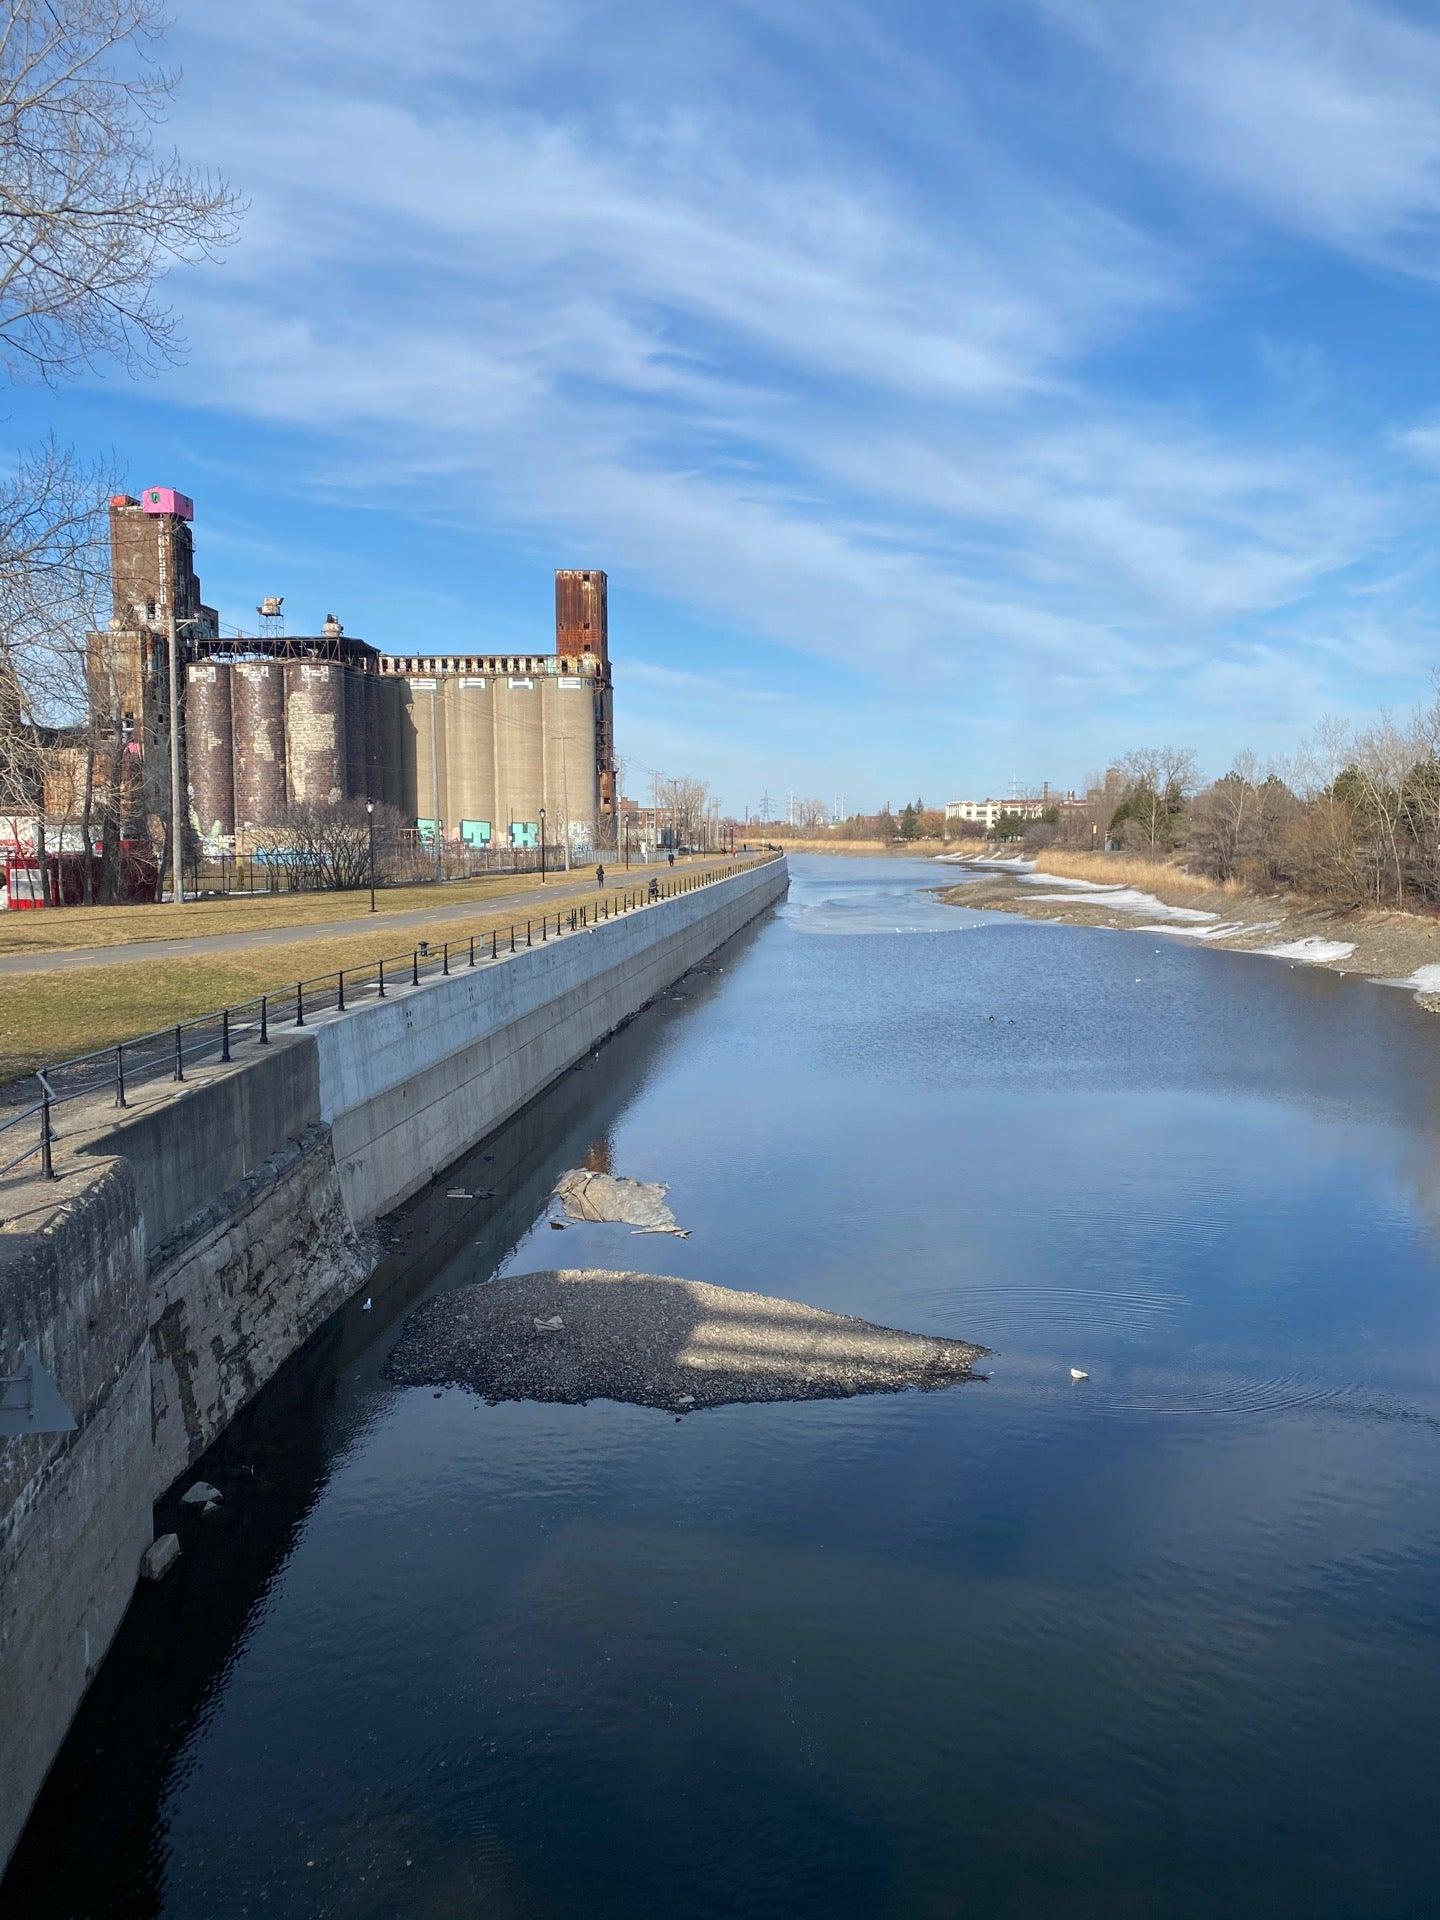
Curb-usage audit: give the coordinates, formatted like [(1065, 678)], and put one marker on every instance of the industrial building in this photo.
[(468, 747)]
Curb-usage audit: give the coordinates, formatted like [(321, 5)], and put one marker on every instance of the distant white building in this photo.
[(985, 813)]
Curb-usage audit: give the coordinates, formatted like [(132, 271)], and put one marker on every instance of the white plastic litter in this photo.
[(553, 1325), (601, 1197)]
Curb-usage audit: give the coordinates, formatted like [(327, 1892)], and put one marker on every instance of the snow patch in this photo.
[(1129, 900), (1312, 950), (1224, 930), (1423, 980)]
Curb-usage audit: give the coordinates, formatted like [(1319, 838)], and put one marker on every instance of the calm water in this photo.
[(1166, 1643)]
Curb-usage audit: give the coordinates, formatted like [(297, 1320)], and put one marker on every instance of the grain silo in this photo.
[(258, 704), (570, 770), (315, 732), (356, 783), (423, 746), (519, 768), (470, 758), (390, 787), (209, 732), (370, 704)]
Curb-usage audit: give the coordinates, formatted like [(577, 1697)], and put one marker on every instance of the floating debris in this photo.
[(1077, 1373), (605, 1197), (655, 1341)]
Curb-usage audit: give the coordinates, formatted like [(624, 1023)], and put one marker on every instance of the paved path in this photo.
[(496, 908)]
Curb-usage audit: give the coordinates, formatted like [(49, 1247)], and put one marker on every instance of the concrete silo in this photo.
[(356, 760), (315, 732), (423, 756), (209, 747), (390, 785), (470, 759), (258, 705), (572, 790), (519, 757)]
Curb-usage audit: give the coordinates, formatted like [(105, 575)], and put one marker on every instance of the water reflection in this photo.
[(1161, 1643)]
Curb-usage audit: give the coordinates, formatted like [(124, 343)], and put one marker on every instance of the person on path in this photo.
[(599, 876), (672, 859)]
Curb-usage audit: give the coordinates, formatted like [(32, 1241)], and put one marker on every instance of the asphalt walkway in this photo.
[(492, 909)]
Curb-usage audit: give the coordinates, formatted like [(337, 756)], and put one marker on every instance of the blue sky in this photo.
[(954, 393)]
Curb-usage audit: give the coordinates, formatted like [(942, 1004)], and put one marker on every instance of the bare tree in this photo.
[(1240, 823), (1158, 784), (90, 214), (53, 583), (328, 847), (685, 801)]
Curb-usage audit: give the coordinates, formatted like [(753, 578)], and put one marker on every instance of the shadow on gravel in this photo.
[(579, 1335)]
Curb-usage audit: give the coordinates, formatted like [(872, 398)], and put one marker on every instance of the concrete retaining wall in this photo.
[(408, 1085)]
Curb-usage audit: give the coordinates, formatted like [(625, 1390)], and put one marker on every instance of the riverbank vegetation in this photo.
[(1352, 820)]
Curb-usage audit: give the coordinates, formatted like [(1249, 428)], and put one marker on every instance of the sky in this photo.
[(956, 394)]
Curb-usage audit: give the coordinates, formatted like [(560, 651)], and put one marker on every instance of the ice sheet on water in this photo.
[(880, 910)]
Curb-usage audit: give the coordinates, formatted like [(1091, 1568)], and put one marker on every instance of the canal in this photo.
[(1165, 1641)]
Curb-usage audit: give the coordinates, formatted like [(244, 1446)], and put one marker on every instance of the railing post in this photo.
[(382, 977), (299, 1003), (264, 1020), (445, 957), (120, 1076), (225, 1034), (179, 1073), (414, 966), (340, 999), (47, 1162), (494, 948), (544, 926), (528, 941), (472, 949)]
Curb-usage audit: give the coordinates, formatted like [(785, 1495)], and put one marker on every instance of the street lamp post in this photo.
[(370, 827), (542, 846)]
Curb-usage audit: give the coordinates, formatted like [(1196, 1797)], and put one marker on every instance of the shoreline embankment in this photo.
[(1392, 948), (191, 1240)]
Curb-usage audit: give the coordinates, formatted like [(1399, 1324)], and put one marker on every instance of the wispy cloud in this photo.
[(840, 335)]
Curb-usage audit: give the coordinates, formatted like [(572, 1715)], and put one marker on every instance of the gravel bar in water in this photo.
[(659, 1342)]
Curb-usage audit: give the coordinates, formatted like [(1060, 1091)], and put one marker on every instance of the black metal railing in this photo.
[(171, 1051)]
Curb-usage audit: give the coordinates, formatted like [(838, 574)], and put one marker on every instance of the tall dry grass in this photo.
[(1161, 876)]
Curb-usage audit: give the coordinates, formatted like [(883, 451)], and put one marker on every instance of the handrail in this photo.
[(167, 1052)]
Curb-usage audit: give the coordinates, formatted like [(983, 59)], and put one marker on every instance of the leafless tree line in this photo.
[(1352, 817)]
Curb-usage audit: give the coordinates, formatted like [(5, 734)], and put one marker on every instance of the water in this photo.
[(1166, 1642)]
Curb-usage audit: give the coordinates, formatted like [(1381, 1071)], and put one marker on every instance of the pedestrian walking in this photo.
[(672, 859), (599, 876)]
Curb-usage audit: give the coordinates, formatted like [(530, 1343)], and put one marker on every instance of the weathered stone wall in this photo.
[(239, 1289), (75, 1507)]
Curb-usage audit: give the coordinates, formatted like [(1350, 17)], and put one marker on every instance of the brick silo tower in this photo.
[(582, 641)]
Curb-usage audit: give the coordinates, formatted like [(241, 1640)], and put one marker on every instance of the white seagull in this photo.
[(1077, 1374)]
